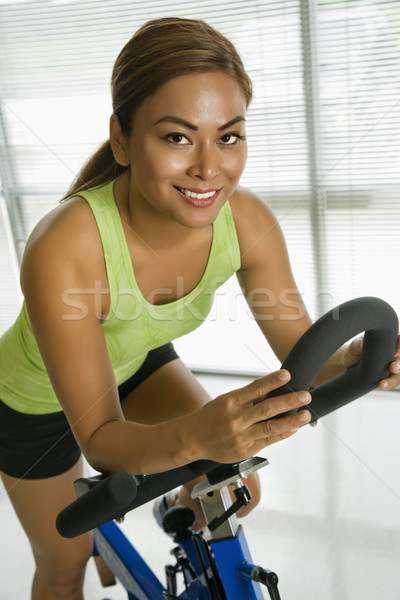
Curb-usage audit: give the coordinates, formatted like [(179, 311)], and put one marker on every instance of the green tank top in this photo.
[(133, 326)]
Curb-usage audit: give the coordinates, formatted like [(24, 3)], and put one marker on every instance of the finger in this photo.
[(268, 432), (272, 407), (394, 367), (390, 383), (393, 380), (259, 388), (259, 445)]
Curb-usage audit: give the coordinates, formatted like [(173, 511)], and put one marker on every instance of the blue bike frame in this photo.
[(126, 563), (232, 561)]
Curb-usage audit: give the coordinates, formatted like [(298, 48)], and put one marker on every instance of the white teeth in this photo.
[(198, 196)]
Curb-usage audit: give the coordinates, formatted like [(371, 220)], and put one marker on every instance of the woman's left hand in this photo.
[(352, 355)]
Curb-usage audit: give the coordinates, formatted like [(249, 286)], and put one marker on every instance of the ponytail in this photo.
[(101, 168)]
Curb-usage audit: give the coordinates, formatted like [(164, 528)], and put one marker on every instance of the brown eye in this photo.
[(230, 139), (178, 138)]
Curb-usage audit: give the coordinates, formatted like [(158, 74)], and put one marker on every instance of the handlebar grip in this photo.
[(380, 323), (106, 500)]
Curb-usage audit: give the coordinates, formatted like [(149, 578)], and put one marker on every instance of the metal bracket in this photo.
[(215, 498), (227, 475)]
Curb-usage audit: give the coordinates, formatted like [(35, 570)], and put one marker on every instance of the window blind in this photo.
[(323, 131)]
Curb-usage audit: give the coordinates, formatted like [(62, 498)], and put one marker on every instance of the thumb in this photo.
[(352, 353)]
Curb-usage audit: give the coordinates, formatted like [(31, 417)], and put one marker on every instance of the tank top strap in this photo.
[(226, 257), (116, 254)]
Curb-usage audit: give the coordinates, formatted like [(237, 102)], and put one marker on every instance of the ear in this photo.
[(119, 143)]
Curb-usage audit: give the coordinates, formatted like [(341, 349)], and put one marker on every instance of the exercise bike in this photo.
[(219, 566)]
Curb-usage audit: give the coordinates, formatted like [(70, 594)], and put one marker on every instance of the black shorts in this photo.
[(39, 446)]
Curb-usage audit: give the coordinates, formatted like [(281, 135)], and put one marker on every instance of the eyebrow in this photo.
[(178, 121)]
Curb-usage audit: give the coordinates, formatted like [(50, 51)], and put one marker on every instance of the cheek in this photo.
[(162, 165), (236, 163), (171, 164)]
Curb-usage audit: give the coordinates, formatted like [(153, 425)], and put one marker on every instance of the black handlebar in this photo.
[(325, 336), (107, 499), (110, 497)]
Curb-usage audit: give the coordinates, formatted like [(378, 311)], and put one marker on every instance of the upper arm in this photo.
[(266, 276), (56, 267)]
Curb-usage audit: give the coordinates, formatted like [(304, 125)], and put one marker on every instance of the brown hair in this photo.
[(159, 51)]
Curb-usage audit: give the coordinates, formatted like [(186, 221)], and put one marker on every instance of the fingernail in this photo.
[(304, 397), (304, 415), (284, 375)]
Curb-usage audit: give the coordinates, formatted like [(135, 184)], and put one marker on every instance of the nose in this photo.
[(205, 162)]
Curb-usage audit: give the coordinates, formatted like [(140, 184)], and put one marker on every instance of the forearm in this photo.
[(334, 366), (231, 428), (139, 449)]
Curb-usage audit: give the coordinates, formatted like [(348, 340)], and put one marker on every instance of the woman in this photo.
[(152, 226)]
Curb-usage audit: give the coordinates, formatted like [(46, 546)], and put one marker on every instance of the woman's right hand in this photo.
[(238, 424)]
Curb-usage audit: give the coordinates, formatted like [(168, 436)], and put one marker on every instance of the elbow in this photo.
[(100, 449)]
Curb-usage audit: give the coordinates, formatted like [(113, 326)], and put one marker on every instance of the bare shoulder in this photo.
[(66, 236), (257, 227), (67, 226)]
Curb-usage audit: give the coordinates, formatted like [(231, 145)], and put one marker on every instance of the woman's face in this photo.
[(187, 149)]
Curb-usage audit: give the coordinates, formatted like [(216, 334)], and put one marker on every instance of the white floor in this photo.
[(328, 523)]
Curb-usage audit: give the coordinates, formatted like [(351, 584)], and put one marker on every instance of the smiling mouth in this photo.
[(196, 195)]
